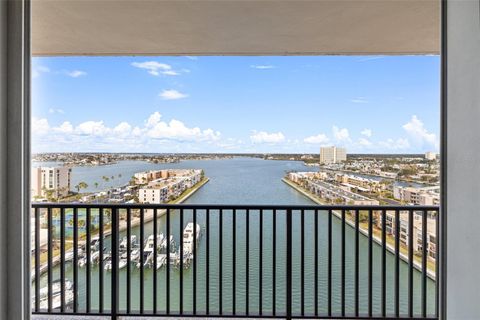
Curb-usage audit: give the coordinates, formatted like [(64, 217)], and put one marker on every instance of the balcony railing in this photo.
[(235, 261)]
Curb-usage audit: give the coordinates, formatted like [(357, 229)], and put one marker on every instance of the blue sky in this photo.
[(236, 104)]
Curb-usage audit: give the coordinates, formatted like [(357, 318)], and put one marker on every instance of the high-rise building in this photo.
[(430, 155), (332, 155), (45, 179)]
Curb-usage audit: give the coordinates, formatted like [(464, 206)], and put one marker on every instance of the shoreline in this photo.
[(363, 231)]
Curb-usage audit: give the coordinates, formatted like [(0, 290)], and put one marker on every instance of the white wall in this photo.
[(463, 159)]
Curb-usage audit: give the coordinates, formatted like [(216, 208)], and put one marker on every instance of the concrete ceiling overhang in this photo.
[(233, 27)]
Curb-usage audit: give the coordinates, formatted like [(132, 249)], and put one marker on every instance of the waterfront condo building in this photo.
[(154, 194), (332, 155), (50, 179), (417, 230), (168, 185), (147, 176)]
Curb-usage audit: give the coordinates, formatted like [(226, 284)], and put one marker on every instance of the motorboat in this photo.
[(189, 239)]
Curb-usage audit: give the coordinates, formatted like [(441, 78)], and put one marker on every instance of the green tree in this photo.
[(132, 181), (49, 194), (81, 185)]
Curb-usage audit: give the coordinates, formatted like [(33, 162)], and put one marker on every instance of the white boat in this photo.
[(94, 257), (108, 264), (148, 250), (69, 256), (149, 243), (94, 243), (56, 288), (188, 238), (82, 262), (161, 260), (57, 301), (124, 242), (163, 245), (135, 255), (122, 263)]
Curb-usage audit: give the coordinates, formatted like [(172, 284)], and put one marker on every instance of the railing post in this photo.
[(289, 264), (114, 255)]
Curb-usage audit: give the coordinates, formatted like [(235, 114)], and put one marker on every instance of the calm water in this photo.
[(216, 169), (251, 181)]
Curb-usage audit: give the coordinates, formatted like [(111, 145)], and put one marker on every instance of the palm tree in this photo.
[(132, 181), (49, 194), (81, 185), (96, 185)]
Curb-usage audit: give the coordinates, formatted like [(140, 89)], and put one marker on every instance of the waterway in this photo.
[(252, 181)]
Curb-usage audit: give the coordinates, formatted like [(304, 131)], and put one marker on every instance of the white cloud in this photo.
[(191, 57), (95, 135), (156, 68), (75, 73), (318, 139), (92, 128), (153, 119), (177, 130), (172, 95), (359, 100), (122, 129), (262, 67), (171, 73), (265, 137), (419, 134), (65, 127), (366, 132), (364, 142), (37, 70), (53, 111), (40, 126), (341, 134), (399, 144)]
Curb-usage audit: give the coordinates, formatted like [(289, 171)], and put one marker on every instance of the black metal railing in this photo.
[(329, 261)]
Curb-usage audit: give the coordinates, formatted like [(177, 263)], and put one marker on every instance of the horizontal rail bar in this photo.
[(238, 316), (234, 206)]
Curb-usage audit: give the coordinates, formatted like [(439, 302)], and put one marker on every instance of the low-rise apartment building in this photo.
[(328, 191), (359, 182), (147, 176), (417, 230), (162, 190), (417, 196)]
